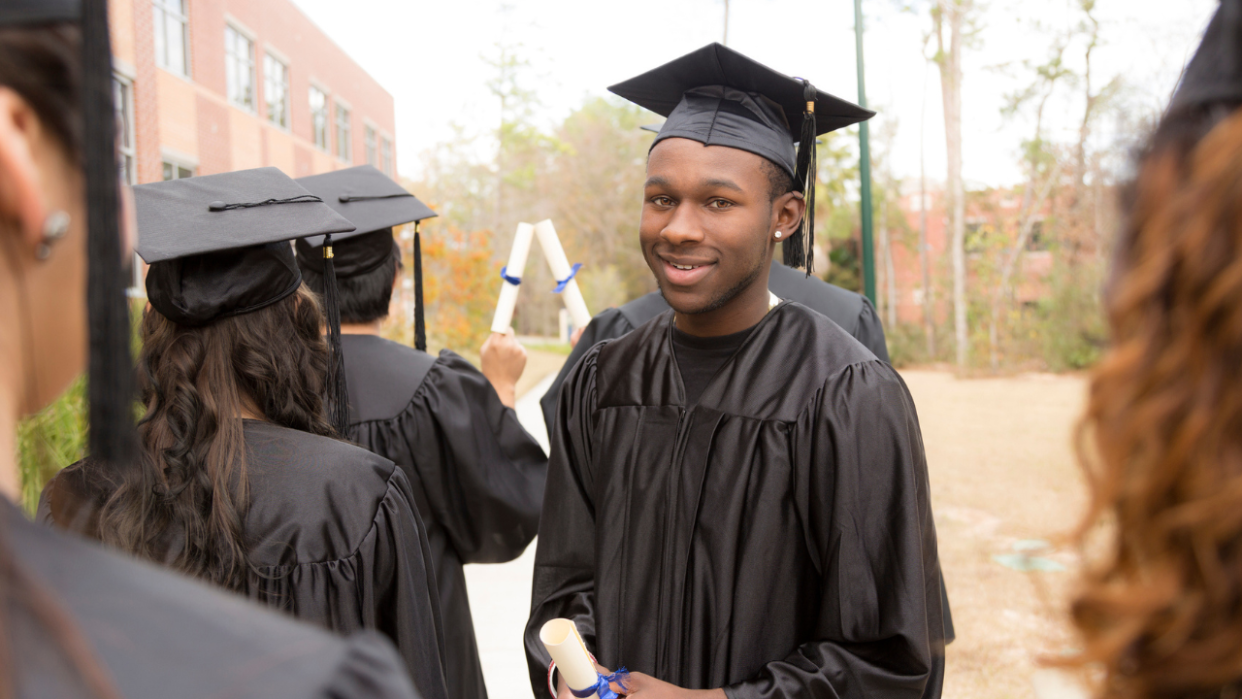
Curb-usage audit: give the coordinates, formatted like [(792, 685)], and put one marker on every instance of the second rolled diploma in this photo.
[(561, 270)]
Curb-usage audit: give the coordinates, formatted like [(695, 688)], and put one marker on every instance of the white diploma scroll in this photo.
[(509, 292), (560, 637), (561, 270)]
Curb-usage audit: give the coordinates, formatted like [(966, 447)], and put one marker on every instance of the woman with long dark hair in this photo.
[(75, 619), (1160, 612), (240, 480)]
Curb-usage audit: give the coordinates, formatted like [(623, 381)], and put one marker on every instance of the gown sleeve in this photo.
[(386, 584), (862, 495), (871, 331), (608, 325), (564, 577), (480, 472)]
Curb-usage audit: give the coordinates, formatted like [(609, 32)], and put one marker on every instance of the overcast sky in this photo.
[(430, 56)]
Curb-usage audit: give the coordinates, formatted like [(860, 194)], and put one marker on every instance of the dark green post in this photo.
[(864, 164)]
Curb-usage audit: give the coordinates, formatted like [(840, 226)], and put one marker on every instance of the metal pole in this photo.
[(864, 165)]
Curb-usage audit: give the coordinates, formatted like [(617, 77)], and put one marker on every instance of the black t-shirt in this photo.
[(699, 358)]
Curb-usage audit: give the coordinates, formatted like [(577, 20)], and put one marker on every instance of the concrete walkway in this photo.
[(500, 593)]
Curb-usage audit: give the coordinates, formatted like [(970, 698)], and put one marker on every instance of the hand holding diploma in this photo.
[(580, 676), (502, 360)]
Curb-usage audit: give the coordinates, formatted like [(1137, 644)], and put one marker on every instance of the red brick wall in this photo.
[(146, 101), (311, 56)]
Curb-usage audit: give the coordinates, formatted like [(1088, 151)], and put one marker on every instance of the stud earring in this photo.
[(778, 235), (55, 226)]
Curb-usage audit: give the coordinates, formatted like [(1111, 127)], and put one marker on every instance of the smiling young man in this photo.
[(737, 500)]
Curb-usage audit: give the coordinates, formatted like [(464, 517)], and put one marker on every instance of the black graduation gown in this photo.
[(852, 311), (775, 539), (336, 541), (478, 476), (161, 635)]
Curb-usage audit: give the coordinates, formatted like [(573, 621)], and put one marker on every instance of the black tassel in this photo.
[(338, 392), (111, 379), (420, 327), (800, 248)]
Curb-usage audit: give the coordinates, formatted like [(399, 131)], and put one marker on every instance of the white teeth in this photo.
[(682, 267)]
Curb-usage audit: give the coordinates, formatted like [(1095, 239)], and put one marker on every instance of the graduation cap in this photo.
[(374, 203), (218, 246), (110, 365), (1214, 74), (720, 97)]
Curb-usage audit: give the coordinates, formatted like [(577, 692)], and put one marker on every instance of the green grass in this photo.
[(561, 348), (50, 440)]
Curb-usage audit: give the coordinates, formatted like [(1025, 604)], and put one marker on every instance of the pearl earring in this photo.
[(55, 226), (778, 235)]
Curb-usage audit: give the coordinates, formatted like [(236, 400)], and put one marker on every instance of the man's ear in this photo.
[(788, 209), (21, 199)]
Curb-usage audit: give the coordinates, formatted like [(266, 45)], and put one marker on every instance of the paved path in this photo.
[(500, 593)]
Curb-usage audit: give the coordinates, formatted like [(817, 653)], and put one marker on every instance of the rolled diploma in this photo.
[(564, 644), (517, 265), (559, 263)]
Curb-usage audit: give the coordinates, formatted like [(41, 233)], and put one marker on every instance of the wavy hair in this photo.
[(187, 508), (1161, 440)]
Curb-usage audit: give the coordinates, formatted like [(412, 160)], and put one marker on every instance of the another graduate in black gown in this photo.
[(241, 481), (478, 476), (737, 498), (77, 621)]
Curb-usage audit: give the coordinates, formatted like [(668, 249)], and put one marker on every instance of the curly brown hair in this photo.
[(1161, 440), (187, 506)]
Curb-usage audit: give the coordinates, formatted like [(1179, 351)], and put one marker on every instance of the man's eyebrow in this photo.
[(724, 184), (656, 181)]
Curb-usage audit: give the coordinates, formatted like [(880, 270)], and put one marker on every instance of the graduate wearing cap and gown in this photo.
[(79, 621), (332, 533), (737, 498), (478, 476)]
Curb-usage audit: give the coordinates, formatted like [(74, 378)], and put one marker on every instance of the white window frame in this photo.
[(163, 13), (127, 144), (232, 35), (324, 128), (370, 144), (271, 58), (343, 131), (386, 159), (178, 163)]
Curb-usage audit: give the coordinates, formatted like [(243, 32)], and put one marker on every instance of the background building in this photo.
[(210, 86)]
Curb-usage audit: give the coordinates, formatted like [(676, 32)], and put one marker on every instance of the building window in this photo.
[(239, 68), (276, 90), (369, 139), (172, 36), (386, 156), (176, 171), (343, 134), (319, 118), (123, 99)]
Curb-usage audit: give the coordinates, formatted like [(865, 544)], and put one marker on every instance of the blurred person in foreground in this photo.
[(737, 502), (77, 621), (477, 475), (1160, 608)]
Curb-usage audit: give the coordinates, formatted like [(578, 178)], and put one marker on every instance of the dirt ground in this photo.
[(1004, 486)]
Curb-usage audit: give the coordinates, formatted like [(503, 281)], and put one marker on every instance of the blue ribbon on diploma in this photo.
[(504, 274), (560, 285), (604, 686)]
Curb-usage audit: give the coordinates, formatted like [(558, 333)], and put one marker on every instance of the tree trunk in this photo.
[(951, 12), (929, 311), (890, 276)]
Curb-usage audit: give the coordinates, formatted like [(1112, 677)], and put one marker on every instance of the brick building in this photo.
[(209, 86)]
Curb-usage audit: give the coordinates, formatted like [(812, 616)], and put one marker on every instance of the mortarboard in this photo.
[(374, 203), (720, 97), (218, 246), (110, 365), (1214, 74)]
